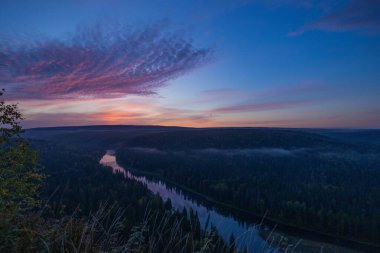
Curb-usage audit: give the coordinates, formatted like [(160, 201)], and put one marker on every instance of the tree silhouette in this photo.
[(19, 178)]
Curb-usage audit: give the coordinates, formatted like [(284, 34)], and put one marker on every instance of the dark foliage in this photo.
[(305, 179)]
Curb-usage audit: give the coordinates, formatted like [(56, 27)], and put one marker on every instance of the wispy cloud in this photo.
[(356, 15), (305, 89), (264, 106), (99, 61), (132, 110), (48, 119), (215, 95)]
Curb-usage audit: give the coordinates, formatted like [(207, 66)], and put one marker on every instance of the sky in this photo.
[(216, 63)]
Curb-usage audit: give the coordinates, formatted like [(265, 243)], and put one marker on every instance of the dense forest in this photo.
[(77, 183), (320, 180), (82, 200), (305, 179), (56, 197)]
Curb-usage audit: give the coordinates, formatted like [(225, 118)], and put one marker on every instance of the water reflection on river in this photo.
[(226, 225)]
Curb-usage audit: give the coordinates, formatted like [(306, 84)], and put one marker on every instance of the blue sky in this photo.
[(281, 63)]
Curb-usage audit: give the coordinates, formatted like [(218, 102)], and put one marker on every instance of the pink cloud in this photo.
[(98, 62), (116, 118)]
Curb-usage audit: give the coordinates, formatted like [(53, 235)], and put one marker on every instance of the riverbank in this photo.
[(315, 237)]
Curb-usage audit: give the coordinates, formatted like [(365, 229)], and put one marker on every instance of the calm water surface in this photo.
[(245, 234)]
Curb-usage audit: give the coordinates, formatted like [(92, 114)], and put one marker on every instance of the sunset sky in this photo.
[(279, 63)]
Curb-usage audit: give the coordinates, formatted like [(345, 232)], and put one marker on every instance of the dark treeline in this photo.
[(316, 179), (78, 186), (315, 182)]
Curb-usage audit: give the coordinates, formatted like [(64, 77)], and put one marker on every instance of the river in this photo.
[(245, 234), (226, 221)]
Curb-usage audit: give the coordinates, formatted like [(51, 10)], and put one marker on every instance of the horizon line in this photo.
[(215, 127)]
